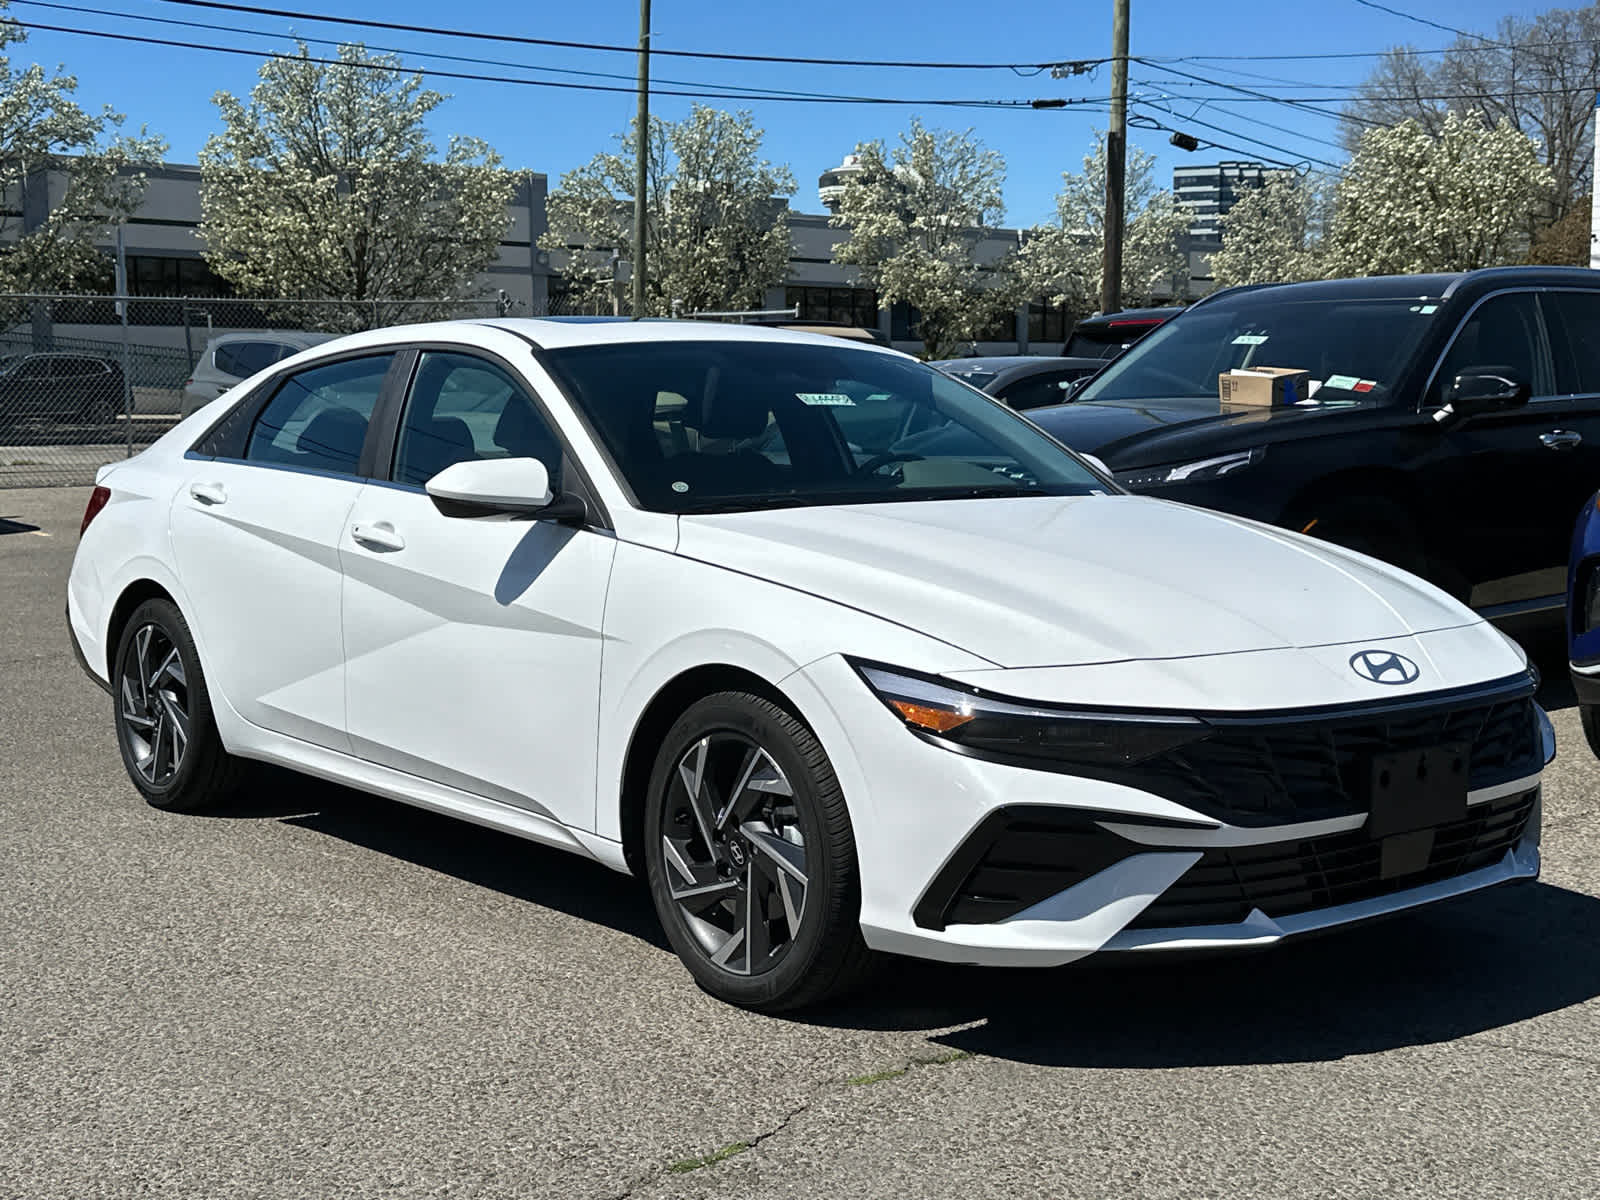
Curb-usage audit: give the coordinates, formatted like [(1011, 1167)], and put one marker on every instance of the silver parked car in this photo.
[(232, 357)]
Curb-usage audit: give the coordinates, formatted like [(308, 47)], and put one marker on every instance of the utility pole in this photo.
[(1116, 161), (641, 158)]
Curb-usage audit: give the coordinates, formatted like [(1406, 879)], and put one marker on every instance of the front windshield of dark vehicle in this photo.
[(1355, 349), (707, 426)]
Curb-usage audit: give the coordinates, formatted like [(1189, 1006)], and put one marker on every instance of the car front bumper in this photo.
[(918, 809)]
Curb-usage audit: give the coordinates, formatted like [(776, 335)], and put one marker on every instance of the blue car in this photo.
[(1583, 618)]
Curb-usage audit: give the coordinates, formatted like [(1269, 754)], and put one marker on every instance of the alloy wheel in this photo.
[(734, 848), (153, 704)]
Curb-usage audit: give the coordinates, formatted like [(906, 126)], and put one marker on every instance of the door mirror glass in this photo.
[(485, 486), (1096, 464), (1478, 390)]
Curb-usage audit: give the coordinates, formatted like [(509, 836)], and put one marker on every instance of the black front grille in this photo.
[(1283, 878), (1270, 774)]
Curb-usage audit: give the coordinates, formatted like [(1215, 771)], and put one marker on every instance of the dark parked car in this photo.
[(1109, 334), (1583, 618), (62, 388), (1453, 427), (1021, 381)]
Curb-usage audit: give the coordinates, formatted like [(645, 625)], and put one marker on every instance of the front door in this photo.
[(1500, 482), (473, 644), (256, 541)]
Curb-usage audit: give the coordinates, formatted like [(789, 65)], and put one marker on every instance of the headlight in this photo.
[(964, 718), (1190, 472)]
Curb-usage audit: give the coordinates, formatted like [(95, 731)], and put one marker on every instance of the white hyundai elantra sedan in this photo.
[(841, 655)]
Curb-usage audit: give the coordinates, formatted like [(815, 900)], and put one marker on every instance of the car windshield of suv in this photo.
[(1354, 348), (704, 426)]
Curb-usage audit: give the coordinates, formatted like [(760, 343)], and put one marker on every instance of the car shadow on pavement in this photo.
[(1451, 971), (542, 875)]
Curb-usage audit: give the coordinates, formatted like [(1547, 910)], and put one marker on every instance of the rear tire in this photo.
[(166, 730), (751, 858)]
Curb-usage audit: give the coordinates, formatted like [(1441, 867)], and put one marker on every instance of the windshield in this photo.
[(1353, 348), (699, 426)]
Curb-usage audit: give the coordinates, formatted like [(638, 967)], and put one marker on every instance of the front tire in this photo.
[(751, 858), (165, 726)]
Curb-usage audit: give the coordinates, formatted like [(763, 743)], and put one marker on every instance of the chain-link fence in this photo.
[(86, 380)]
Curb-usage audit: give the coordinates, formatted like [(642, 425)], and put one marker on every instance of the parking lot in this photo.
[(320, 994)]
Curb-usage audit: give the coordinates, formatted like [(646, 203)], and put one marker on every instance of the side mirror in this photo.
[(1070, 391), (517, 487), (1480, 390), (1096, 464)]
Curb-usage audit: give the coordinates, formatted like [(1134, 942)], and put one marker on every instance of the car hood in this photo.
[(1101, 427), (1054, 581)]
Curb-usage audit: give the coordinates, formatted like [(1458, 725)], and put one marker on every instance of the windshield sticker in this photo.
[(1250, 339), (1345, 383), (1426, 309), (825, 399), (1366, 385), (680, 487)]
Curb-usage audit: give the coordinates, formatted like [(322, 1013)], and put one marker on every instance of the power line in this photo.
[(701, 94), (1303, 105), (1307, 137), (1395, 12), (1146, 121), (435, 54), (1406, 51), (1321, 162), (435, 31)]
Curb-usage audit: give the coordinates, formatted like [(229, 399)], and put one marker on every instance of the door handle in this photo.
[(209, 493), (1560, 439), (378, 536)]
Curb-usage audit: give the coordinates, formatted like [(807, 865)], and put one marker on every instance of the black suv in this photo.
[(1109, 334), (1454, 429), (59, 388)]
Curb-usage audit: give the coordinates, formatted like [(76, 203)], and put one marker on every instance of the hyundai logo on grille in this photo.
[(1384, 666)]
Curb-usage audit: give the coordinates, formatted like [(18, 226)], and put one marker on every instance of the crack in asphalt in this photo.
[(1587, 1060), (827, 1087)]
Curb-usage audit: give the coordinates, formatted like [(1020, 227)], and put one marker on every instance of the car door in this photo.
[(1573, 320), (474, 644), (256, 535), (1503, 480)]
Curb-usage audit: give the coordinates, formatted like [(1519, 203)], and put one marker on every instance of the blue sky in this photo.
[(549, 130)]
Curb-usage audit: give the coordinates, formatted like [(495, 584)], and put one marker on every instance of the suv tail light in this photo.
[(97, 501)]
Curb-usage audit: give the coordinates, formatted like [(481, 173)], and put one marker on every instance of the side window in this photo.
[(318, 417), (37, 368), (246, 358), (464, 408), (1503, 332), (1574, 324), (1036, 391)]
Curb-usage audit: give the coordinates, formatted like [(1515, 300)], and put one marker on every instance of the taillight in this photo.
[(91, 510)]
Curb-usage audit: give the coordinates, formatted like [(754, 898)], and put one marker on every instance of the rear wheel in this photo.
[(165, 728), (751, 858)]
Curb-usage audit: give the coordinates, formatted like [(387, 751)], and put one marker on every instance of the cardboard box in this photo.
[(1262, 387)]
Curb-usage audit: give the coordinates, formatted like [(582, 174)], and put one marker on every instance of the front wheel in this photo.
[(751, 858), (165, 728)]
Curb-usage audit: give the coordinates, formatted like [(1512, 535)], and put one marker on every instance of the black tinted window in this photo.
[(246, 358), (696, 426), (464, 408), (1574, 322), (1037, 391), (1503, 333), (318, 417)]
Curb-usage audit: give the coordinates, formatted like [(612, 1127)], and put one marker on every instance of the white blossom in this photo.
[(41, 128), (326, 186), (916, 216), (1064, 260), (1412, 202), (714, 218), (1273, 232)]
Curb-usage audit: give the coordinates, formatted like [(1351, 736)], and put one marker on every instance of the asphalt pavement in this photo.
[(320, 994)]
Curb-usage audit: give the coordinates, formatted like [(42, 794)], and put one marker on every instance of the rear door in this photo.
[(1573, 319), (256, 536)]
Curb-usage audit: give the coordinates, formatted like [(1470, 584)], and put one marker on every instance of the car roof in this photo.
[(1393, 286), (1131, 314), (561, 333)]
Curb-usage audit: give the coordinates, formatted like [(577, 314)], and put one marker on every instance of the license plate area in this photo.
[(1414, 790)]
